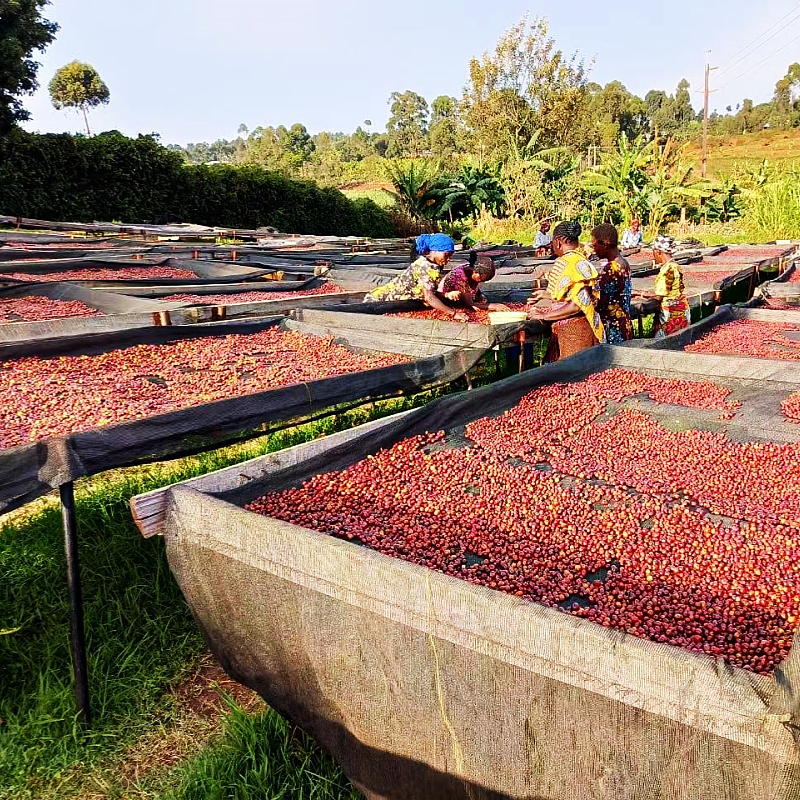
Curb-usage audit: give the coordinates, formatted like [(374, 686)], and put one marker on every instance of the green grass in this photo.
[(380, 197), (140, 635), (261, 757), (490, 229), (729, 153), (647, 326)]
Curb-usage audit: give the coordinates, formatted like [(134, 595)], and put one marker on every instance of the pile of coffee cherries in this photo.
[(328, 287), (712, 277), (104, 274), (682, 537), (746, 337), (476, 317), (33, 308), (42, 397)]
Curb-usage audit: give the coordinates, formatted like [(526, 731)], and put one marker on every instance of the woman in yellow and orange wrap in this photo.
[(572, 288)]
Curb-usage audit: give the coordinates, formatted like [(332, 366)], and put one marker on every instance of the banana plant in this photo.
[(471, 191), (669, 182), (621, 178), (418, 187), (533, 177)]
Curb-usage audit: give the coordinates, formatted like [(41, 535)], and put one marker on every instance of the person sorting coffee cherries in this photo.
[(419, 281)]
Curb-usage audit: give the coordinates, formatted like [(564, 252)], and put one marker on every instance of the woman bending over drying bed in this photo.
[(462, 285), (419, 281), (572, 290)]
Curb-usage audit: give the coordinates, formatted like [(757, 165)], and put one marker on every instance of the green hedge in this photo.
[(111, 177)]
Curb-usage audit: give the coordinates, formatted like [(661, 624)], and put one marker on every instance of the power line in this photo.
[(763, 61), (759, 43)]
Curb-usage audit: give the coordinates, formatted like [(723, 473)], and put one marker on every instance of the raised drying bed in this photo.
[(372, 325), (75, 406), (736, 331), (147, 270), (484, 694)]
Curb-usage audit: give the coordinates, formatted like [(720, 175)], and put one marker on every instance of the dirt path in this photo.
[(142, 770)]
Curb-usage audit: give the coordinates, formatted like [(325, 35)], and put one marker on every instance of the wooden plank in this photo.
[(148, 509)]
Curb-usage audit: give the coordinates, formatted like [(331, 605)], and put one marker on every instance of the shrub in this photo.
[(111, 176)]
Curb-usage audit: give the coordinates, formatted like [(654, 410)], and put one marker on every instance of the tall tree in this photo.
[(443, 135), (613, 110), (78, 86), (23, 31), (654, 101), (297, 142), (281, 149), (684, 113), (407, 127), (526, 84), (786, 91), (670, 115)]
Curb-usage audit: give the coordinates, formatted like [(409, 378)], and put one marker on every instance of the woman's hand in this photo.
[(555, 311), (460, 316), (453, 296), (536, 297), (497, 307)]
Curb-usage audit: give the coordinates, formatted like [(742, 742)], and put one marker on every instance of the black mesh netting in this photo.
[(30, 470)]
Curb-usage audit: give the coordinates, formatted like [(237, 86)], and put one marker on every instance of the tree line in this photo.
[(530, 135), (526, 87)]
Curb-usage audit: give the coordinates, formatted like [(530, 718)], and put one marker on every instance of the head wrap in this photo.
[(435, 243), (569, 231), (666, 244)]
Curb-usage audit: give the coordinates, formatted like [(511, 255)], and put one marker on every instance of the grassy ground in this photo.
[(152, 685), (725, 153), (379, 195), (141, 638), (489, 229)]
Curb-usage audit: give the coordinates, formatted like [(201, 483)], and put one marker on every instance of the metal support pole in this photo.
[(76, 633)]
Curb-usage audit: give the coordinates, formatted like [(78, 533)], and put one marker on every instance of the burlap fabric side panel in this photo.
[(425, 686)]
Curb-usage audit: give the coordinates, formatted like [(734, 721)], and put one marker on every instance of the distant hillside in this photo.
[(724, 152)]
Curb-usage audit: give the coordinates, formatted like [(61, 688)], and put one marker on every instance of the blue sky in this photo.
[(193, 70)]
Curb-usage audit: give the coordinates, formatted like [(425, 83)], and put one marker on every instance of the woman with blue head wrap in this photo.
[(419, 281), (432, 243)]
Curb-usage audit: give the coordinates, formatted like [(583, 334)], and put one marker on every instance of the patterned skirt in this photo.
[(675, 315)]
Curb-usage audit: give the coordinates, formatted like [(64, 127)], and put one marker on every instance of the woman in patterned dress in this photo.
[(572, 288), (614, 285), (419, 281), (675, 314)]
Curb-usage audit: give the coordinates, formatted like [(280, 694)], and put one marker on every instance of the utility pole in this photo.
[(705, 115)]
